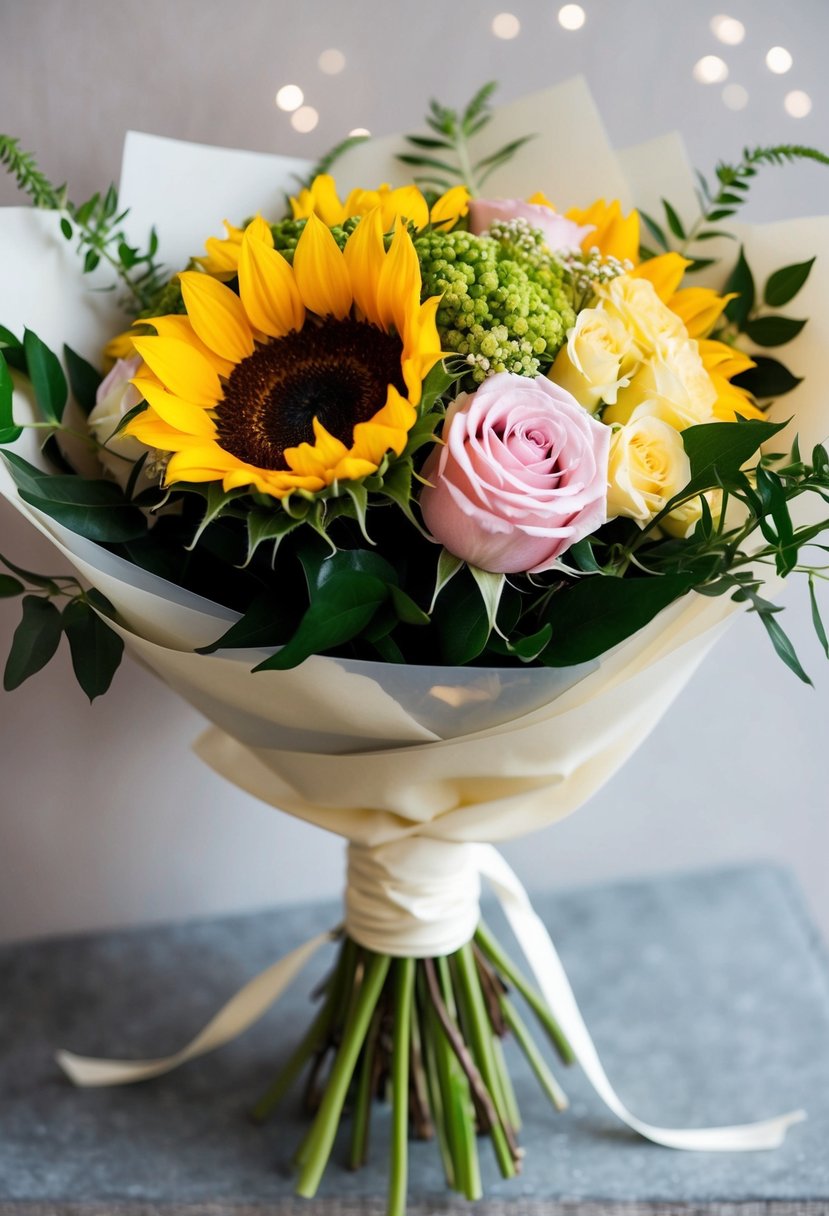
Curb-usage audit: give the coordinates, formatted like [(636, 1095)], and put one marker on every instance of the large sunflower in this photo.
[(311, 375)]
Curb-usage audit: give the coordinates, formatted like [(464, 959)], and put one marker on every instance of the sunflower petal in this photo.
[(364, 256), (268, 290), (176, 326), (321, 272), (404, 203), (190, 419), (398, 289), (699, 309), (450, 207), (217, 315), (665, 272), (181, 369)]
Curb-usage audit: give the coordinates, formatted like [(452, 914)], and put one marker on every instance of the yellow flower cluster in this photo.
[(643, 355)]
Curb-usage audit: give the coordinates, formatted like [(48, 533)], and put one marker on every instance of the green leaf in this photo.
[(816, 617), (35, 641), (591, 616), (66, 228), (582, 556), (84, 379), (48, 582), (8, 431), (528, 649), (95, 648), (769, 378), (713, 233), (409, 612), (674, 222), (91, 261), (46, 375), (97, 510), (718, 450), (9, 586), (772, 331), (784, 284), (740, 280), (340, 610), (263, 624), (782, 644), (460, 620), (654, 229), (268, 525)]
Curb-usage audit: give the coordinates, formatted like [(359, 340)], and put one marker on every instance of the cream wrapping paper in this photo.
[(413, 766)]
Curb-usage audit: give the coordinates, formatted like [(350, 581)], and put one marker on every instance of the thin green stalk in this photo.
[(534, 1057), (404, 972), (361, 1115), (318, 1147), (428, 1035), (502, 963), (457, 1092), (311, 1041), (480, 1040), (505, 1085)]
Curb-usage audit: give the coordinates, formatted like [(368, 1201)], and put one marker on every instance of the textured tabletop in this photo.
[(707, 995)]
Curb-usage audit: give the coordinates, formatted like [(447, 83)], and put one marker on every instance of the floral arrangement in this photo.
[(420, 428)]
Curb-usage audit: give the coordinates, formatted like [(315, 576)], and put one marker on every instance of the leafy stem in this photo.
[(96, 223)]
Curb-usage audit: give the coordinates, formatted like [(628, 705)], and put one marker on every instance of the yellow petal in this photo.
[(181, 369), (364, 256), (217, 315), (699, 309), (406, 202), (260, 230), (321, 200), (176, 326), (119, 347), (222, 253), (398, 289), (321, 273), (268, 290), (450, 207), (191, 419), (723, 359), (665, 272), (150, 430), (351, 468), (613, 234)]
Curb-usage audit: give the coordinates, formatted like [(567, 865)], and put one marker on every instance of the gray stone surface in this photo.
[(707, 994)]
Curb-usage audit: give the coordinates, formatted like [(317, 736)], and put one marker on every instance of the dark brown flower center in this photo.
[(336, 371)]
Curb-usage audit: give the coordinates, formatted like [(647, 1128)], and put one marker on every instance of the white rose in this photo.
[(636, 304), (648, 465), (672, 385), (115, 398), (599, 358)]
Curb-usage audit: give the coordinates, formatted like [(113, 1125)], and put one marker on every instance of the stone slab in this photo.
[(707, 995)]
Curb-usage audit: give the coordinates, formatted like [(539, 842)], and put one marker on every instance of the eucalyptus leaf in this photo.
[(46, 374), (773, 331), (35, 641), (784, 284), (96, 649)]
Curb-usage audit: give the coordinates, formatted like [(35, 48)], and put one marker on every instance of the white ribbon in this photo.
[(425, 919)]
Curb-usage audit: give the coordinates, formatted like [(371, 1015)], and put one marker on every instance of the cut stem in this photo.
[(510, 972), (404, 973), (534, 1057)]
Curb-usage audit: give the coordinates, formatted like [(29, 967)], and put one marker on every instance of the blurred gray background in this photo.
[(107, 818)]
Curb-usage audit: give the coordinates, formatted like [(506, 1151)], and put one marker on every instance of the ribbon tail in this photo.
[(241, 1011), (548, 969)]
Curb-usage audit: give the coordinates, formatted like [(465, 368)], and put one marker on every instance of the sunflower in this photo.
[(311, 375)]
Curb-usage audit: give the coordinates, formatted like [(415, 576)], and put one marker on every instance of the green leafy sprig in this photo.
[(722, 201), (95, 223), (446, 157)]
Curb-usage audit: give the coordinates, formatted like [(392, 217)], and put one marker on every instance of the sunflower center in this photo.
[(337, 371)]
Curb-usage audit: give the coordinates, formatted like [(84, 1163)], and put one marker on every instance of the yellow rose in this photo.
[(672, 385), (648, 465), (636, 304), (599, 358)]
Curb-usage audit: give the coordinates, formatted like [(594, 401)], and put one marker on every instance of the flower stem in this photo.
[(403, 997), (317, 1148), (534, 1057), (510, 972), (361, 1115)]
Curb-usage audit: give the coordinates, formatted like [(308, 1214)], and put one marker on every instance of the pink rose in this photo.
[(520, 477), (560, 234)]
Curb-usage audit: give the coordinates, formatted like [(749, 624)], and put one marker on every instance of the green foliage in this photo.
[(96, 649), (35, 641), (446, 156), (98, 510), (95, 223), (84, 379)]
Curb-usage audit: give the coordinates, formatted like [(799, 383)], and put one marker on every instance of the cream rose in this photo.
[(672, 385), (636, 304), (598, 359), (115, 398), (648, 465)]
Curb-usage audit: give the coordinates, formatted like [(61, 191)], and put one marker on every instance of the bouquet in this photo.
[(430, 501)]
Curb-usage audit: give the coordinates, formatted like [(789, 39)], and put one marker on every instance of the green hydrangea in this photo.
[(507, 302), (287, 232)]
